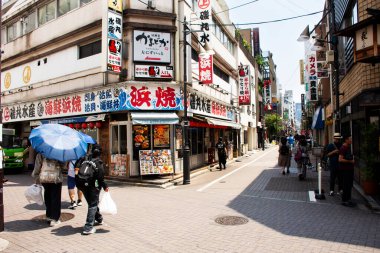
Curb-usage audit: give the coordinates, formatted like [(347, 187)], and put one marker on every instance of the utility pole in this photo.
[(1, 139), (186, 147)]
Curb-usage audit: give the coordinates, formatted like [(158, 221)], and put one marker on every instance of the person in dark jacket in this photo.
[(91, 191), (222, 153)]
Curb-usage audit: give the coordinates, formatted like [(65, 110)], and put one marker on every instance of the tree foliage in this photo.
[(273, 122)]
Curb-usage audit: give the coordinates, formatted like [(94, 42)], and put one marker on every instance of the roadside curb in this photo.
[(371, 202)]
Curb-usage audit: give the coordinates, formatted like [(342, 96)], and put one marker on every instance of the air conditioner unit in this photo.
[(152, 4), (330, 56)]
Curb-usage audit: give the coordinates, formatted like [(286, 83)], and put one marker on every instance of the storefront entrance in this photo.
[(118, 146)]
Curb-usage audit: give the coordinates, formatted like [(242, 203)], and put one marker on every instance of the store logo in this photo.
[(26, 74), (7, 80)]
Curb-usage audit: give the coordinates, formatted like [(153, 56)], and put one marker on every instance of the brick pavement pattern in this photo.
[(281, 216)]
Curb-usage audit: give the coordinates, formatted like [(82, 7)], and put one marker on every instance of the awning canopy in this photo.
[(226, 123), (152, 118), (317, 119), (90, 118)]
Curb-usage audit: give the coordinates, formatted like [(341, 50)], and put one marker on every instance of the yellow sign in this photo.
[(116, 5), (26, 74), (7, 80)]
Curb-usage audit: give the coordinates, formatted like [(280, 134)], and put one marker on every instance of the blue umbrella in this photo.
[(58, 142), (88, 139)]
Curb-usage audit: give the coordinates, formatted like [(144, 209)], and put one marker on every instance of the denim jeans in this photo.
[(91, 194)]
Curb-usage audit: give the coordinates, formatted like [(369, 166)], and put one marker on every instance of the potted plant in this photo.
[(369, 150)]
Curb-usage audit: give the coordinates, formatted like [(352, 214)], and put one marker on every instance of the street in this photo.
[(275, 211)]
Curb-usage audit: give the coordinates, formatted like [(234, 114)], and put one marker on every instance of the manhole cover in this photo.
[(231, 220), (64, 217)]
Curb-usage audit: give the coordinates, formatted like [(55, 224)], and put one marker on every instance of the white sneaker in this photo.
[(54, 223), (72, 205), (92, 231), (79, 203)]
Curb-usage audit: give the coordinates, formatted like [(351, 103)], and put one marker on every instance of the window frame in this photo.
[(45, 8)]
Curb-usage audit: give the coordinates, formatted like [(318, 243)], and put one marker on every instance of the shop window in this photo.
[(141, 139)]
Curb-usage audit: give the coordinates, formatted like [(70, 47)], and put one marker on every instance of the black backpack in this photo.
[(284, 150), (87, 174)]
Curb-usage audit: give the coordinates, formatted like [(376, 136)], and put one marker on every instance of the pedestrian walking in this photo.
[(284, 153), (346, 168), (333, 163), (89, 178), (71, 186), (48, 172), (31, 153), (222, 153)]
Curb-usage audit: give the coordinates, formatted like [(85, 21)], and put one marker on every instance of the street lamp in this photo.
[(305, 35)]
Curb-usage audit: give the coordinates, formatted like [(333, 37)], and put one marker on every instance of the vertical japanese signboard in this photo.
[(114, 35), (203, 12), (244, 85), (205, 69), (313, 80), (267, 95)]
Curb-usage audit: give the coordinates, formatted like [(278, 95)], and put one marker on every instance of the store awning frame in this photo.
[(226, 123), (154, 118), (67, 120)]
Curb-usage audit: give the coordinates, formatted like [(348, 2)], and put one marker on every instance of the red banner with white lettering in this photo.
[(205, 69)]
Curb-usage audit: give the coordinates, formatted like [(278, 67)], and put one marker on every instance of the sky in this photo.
[(280, 38)]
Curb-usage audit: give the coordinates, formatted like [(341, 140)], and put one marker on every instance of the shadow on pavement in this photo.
[(25, 225), (66, 230), (34, 206), (282, 203)]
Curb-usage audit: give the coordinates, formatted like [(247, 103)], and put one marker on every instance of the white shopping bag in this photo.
[(107, 205), (34, 193)]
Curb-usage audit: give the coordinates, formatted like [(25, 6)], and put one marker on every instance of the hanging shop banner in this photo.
[(203, 12), (114, 35), (118, 98), (208, 107), (267, 95), (151, 71), (115, 25), (156, 162), (116, 5), (313, 80), (244, 85), (114, 55), (303, 102), (151, 46), (302, 74), (205, 69), (322, 69)]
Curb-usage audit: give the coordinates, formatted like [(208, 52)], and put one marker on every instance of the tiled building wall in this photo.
[(361, 76)]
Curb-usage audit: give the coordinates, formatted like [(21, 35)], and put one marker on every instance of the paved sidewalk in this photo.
[(281, 216)]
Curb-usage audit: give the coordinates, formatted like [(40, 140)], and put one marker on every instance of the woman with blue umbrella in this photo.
[(56, 145)]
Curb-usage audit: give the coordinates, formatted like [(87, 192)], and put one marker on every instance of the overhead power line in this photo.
[(237, 6)]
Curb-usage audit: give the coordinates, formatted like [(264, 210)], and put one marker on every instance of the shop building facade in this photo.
[(116, 74)]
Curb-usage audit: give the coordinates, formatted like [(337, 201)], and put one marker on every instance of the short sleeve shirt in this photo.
[(345, 151)]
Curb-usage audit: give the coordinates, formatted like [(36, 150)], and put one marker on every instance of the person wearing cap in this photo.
[(333, 163), (222, 153)]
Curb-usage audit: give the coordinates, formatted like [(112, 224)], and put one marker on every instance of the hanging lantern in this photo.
[(77, 126), (98, 124), (71, 125), (91, 125), (84, 125)]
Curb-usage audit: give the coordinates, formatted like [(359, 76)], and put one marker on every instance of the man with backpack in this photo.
[(89, 179)]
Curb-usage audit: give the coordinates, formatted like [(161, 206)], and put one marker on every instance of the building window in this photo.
[(83, 2), (221, 74), (221, 36), (65, 6), (12, 32), (29, 23), (90, 49), (355, 14), (46, 13)]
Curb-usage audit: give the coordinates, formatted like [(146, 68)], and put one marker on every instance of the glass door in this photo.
[(119, 152)]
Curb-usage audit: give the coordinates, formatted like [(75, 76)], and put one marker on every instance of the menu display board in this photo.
[(119, 165), (156, 162), (141, 139), (161, 136)]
